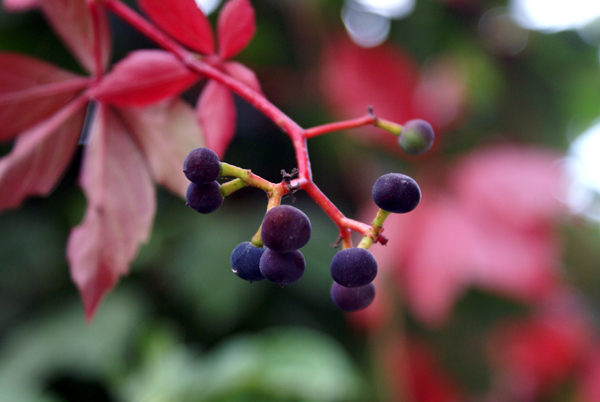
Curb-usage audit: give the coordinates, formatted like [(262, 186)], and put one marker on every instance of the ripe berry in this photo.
[(352, 299), (285, 228), (245, 260), (353, 267), (202, 166), (204, 198), (282, 268), (397, 193), (416, 137)]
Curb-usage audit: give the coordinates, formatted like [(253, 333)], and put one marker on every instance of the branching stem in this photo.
[(374, 232), (340, 125), (297, 134)]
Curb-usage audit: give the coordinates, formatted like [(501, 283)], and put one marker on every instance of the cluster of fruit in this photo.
[(354, 269), (274, 253), (202, 167)]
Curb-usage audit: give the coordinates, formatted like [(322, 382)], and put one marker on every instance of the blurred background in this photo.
[(488, 291)]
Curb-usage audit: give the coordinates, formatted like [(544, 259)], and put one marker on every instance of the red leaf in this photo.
[(532, 357), (40, 156), (20, 5), (119, 214), (519, 185), (235, 27), (72, 21), (352, 78), (588, 384), (216, 114), (144, 77), (243, 74), (411, 368), (30, 91), (183, 20), (166, 133)]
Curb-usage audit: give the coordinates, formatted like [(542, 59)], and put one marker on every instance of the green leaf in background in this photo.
[(279, 364), (60, 343)]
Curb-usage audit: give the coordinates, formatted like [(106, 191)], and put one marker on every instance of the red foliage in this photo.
[(128, 144), (534, 356), (142, 78), (414, 375), (588, 383), (235, 28), (184, 21), (120, 210), (31, 90)]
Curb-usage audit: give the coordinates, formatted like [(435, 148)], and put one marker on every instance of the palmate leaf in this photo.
[(144, 77), (119, 214), (20, 5), (183, 20), (242, 74), (72, 21), (165, 133), (217, 114), (30, 91), (40, 156), (235, 27)]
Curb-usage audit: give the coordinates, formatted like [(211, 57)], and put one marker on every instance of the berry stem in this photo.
[(257, 239), (340, 125), (390, 126), (372, 235), (275, 194), (232, 186), (246, 176), (278, 191)]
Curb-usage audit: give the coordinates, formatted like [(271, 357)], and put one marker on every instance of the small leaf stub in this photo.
[(416, 137)]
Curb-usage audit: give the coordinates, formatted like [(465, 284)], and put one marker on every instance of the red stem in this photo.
[(340, 125), (334, 213)]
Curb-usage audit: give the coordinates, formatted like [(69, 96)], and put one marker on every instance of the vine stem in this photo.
[(297, 134)]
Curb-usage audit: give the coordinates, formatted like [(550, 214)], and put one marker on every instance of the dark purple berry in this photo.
[(416, 137), (245, 260), (353, 267), (202, 166), (204, 198), (397, 193), (352, 299), (285, 228), (282, 268)]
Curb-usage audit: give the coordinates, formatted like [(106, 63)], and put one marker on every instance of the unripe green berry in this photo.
[(416, 137)]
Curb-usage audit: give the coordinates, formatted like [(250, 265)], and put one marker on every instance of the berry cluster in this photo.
[(354, 269), (202, 167), (274, 251), (284, 231)]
